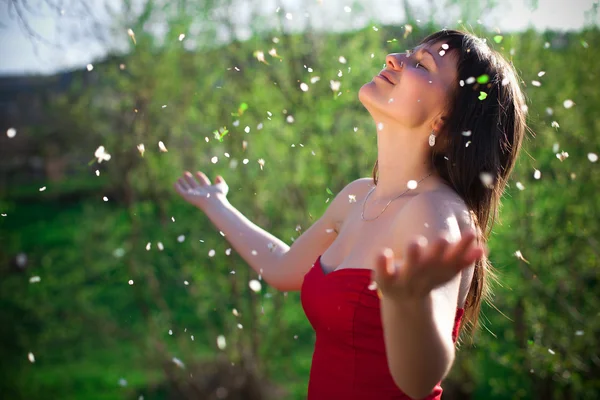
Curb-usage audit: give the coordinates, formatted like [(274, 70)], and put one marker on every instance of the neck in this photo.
[(403, 155)]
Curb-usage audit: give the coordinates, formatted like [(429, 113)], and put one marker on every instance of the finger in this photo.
[(384, 267), (183, 184), (460, 249), (219, 179), (202, 178), (189, 178), (466, 241), (439, 248), (388, 256), (471, 256), (415, 249), (178, 188)]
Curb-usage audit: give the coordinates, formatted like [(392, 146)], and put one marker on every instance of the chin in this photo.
[(368, 95)]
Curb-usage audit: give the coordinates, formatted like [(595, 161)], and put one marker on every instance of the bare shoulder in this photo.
[(352, 194), (432, 212), (360, 186)]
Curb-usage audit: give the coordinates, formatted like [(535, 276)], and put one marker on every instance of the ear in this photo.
[(441, 140), (438, 123)]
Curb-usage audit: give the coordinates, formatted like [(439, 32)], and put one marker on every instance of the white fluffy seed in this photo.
[(255, 285)]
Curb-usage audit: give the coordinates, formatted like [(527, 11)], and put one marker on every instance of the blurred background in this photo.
[(111, 287)]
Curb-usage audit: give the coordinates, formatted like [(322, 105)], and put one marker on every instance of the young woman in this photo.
[(401, 269)]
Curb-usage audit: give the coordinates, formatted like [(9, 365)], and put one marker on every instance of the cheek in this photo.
[(409, 101), (419, 94), (416, 102), (411, 88)]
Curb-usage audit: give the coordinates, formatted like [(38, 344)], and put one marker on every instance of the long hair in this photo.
[(481, 139)]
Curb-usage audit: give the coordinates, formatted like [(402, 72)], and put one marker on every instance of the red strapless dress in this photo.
[(349, 360)]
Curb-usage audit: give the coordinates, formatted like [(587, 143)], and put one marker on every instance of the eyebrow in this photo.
[(430, 55)]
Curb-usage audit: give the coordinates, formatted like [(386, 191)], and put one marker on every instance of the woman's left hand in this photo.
[(425, 266)]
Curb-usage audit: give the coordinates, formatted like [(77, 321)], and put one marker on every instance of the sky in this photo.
[(20, 54)]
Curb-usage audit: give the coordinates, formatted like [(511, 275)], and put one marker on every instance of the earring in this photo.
[(432, 139)]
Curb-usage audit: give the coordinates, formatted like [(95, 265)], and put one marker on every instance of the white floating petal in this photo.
[(255, 285)]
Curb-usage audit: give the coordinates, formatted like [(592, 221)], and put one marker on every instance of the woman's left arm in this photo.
[(419, 293)]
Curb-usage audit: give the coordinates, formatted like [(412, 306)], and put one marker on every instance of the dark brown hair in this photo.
[(482, 135)]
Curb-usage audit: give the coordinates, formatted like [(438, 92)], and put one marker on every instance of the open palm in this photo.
[(425, 267), (198, 190)]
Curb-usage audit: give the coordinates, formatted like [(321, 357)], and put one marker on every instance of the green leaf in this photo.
[(243, 107), (498, 38), (220, 133), (329, 191), (482, 95)]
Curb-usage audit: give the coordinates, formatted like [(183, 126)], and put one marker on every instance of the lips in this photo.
[(383, 75)]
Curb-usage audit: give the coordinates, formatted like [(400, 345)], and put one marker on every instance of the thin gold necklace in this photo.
[(362, 214)]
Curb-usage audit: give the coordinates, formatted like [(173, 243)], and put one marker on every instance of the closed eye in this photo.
[(420, 65)]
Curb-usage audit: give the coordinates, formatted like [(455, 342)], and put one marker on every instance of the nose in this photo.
[(395, 61)]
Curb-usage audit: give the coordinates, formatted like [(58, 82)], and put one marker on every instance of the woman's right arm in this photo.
[(280, 265)]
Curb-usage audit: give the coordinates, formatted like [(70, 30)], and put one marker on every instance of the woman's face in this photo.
[(414, 88)]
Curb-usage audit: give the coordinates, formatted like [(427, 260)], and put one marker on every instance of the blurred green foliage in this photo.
[(129, 283)]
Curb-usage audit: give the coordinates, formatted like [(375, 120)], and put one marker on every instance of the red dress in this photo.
[(349, 360)]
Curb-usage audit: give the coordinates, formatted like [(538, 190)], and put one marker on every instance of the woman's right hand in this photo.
[(198, 190)]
